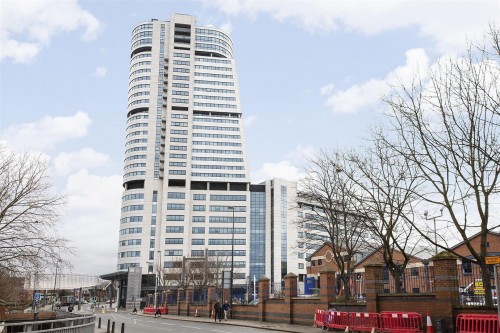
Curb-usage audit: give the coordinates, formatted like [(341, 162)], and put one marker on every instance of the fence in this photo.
[(83, 324), (276, 290), (414, 280), (471, 287)]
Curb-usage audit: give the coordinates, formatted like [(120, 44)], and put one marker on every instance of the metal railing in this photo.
[(470, 285), (414, 280), (80, 324), (276, 290)]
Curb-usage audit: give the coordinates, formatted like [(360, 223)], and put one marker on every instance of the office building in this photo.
[(276, 243)]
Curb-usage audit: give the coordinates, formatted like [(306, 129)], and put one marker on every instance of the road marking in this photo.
[(135, 322), (220, 331), (194, 328), (167, 324)]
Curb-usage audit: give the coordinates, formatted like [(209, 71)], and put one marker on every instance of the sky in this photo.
[(311, 74)]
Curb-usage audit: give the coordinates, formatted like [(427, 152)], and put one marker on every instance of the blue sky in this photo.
[(310, 74)]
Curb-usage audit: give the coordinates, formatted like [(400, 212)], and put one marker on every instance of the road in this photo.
[(141, 324)]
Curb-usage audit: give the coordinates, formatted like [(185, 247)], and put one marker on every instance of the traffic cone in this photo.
[(196, 313), (430, 328)]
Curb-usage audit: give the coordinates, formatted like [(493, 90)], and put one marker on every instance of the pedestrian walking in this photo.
[(35, 312), (217, 309), (226, 309), (158, 312)]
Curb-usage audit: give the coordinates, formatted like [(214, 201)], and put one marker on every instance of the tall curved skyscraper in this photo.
[(186, 178)]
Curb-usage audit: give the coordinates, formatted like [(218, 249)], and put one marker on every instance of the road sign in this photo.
[(478, 287), (492, 260), (37, 297)]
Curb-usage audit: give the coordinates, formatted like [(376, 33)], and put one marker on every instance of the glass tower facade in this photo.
[(257, 231)]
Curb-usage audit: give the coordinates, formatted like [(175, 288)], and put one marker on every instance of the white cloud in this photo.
[(101, 71), (227, 27), (65, 163), (249, 120), (47, 132), (301, 154), (291, 168), (446, 22), (20, 52), (92, 221), (28, 26), (368, 94), (282, 169)]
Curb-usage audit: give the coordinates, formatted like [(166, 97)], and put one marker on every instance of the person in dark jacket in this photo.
[(217, 309)]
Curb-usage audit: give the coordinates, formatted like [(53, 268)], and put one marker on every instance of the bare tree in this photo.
[(207, 271), (11, 287), (447, 124), (386, 185), (29, 211), (197, 272), (333, 217)]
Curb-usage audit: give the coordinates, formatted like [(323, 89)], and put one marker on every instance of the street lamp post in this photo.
[(232, 262), (156, 288), (148, 287), (426, 215), (156, 277)]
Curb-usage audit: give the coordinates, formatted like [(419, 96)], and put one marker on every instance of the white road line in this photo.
[(194, 328), (167, 324)]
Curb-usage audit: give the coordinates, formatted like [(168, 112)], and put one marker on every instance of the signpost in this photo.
[(492, 260), (478, 287)]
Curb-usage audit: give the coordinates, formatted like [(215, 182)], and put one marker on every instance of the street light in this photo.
[(148, 282), (232, 262), (426, 215), (156, 277)]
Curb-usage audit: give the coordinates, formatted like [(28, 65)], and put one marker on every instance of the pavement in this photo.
[(267, 326)]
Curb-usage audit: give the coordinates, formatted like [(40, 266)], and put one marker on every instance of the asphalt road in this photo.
[(140, 324)]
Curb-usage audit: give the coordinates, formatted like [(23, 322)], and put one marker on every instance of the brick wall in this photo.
[(442, 304)]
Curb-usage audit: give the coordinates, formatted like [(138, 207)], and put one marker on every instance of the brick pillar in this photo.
[(180, 294), (263, 289), (189, 294), (211, 299), (374, 284), (327, 286), (189, 298), (290, 286), (263, 296), (290, 293), (445, 281)]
